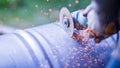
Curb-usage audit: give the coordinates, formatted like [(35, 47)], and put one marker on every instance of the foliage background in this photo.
[(29, 13)]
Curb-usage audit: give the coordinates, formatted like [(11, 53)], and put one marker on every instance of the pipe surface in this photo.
[(49, 46)]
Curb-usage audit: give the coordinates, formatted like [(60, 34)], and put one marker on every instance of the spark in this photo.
[(76, 1), (78, 64), (50, 10), (36, 6), (47, 0), (70, 5), (87, 51)]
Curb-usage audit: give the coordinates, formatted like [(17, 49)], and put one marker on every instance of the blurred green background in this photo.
[(29, 13)]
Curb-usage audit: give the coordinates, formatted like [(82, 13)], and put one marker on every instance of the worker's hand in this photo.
[(87, 10), (94, 26), (97, 27)]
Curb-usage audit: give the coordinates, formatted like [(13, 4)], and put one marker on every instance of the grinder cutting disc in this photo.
[(67, 21)]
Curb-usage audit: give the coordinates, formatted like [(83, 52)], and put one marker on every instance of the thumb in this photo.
[(86, 11)]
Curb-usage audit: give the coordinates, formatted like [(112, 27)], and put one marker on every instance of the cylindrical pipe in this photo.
[(49, 46)]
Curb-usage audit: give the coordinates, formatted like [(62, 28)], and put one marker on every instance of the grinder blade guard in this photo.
[(72, 21), (67, 21)]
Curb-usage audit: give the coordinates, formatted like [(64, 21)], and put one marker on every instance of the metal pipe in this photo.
[(49, 46)]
